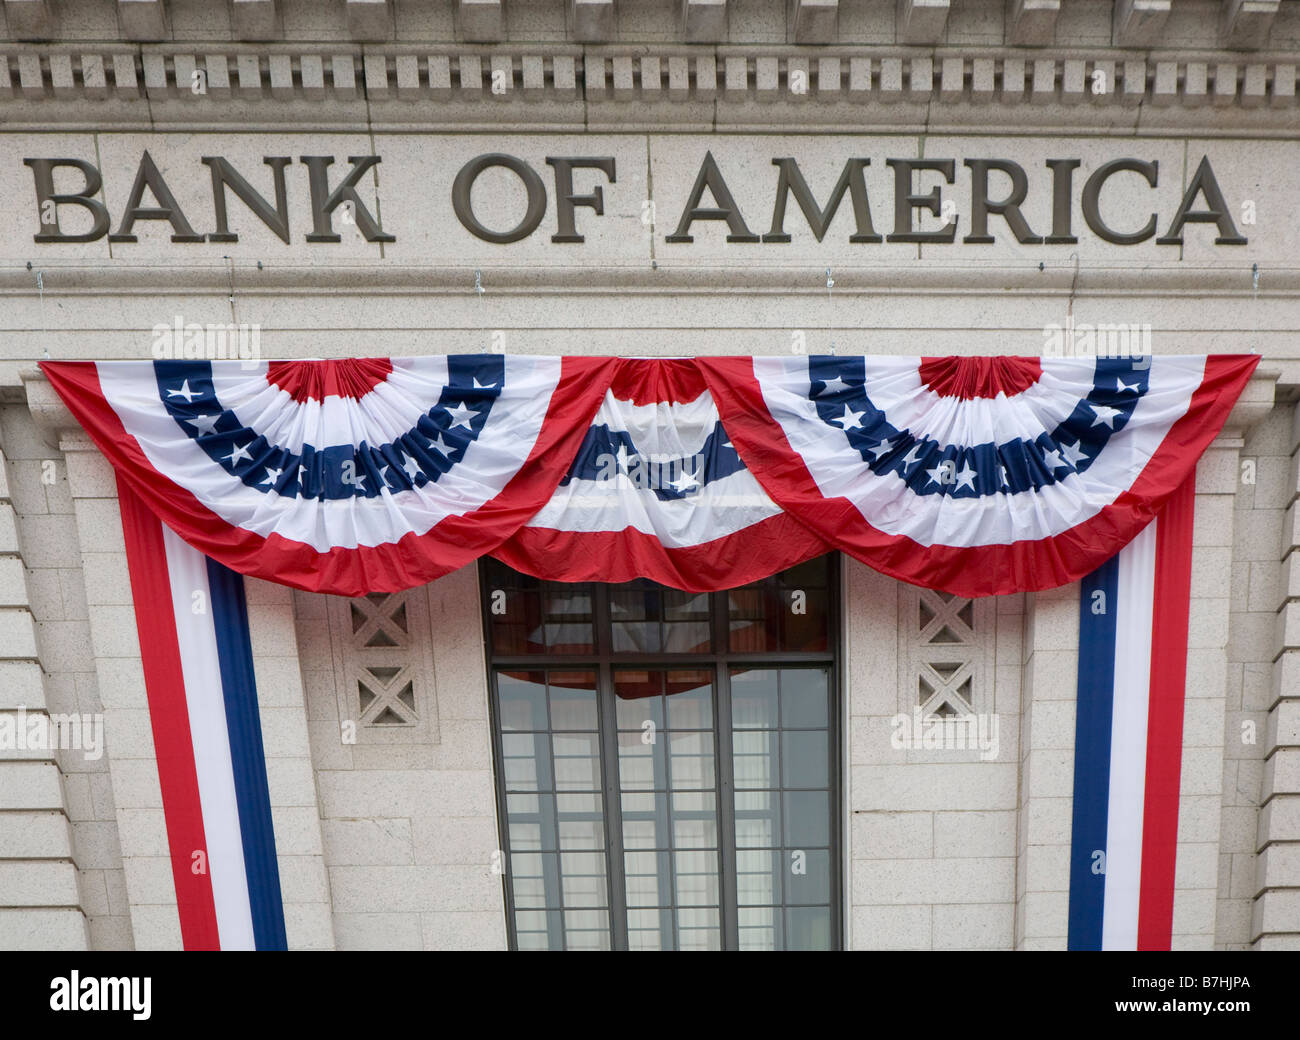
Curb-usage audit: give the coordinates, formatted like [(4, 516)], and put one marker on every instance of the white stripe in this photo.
[(719, 508), (894, 386), (1135, 595), (662, 429), (505, 442), (389, 410), (659, 431), (205, 701), (890, 506)]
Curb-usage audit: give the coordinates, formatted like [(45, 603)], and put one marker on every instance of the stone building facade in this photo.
[(393, 839)]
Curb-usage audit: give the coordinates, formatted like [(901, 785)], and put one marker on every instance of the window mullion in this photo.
[(607, 711), (726, 809), (725, 778)]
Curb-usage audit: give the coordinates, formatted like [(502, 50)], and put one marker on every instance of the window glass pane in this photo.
[(758, 819), (640, 762), (758, 876), (804, 698), (787, 612), (573, 700), (650, 619), (566, 618), (807, 876), (577, 761), (638, 702), (754, 699), (529, 616), (645, 928), (754, 758), (690, 700), (805, 758), (807, 818), (699, 928), (521, 700), (534, 929), (808, 928), (760, 928), (690, 758), (586, 929)]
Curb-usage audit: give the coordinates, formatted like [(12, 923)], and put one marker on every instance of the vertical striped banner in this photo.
[(198, 667), (1133, 615)]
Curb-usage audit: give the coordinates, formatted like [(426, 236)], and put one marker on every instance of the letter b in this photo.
[(43, 171)]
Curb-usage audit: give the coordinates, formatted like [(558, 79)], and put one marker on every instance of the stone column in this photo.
[(1276, 917), (40, 902), (1201, 787), (1051, 663)]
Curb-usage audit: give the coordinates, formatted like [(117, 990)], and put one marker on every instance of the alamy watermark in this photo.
[(72, 992), (919, 732), (192, 341), (652, 472), (1104, 340), (22, 730)]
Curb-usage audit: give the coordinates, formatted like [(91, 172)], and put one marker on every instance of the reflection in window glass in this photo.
[(668, 788), (648, 618), (788, 612), (781, 754), (530, 616), (550, 771)]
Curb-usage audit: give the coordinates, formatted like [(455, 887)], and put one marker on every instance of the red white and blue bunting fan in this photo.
[(976, 476), (658, 490)]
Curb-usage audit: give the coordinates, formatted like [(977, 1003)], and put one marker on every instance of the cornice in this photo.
[(556, 88), (946, 277)]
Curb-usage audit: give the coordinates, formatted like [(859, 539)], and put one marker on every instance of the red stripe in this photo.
[(972, 377), (1173, 582), (750, 554), (164, 682), (993, 570), (642, 381), (316, 380), (410, 561)]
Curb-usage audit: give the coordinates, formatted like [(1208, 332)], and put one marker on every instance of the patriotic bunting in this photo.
[(977, 476)]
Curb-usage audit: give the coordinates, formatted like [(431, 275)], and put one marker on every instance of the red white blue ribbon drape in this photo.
[(1129, 736), (977, 476), (198, 667)]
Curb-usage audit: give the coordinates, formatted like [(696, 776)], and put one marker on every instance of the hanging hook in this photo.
[(1254, 284), (45, 333), (230, 268), (478, 281), (1074, 288)]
